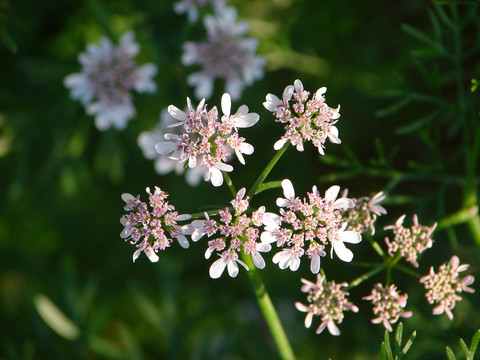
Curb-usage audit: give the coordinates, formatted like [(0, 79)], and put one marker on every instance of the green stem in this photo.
[(267, 170), (229, 183), (268, 310), (366, 276)]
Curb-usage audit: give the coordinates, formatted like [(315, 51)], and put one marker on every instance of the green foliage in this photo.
[(469, 352), (398, 352)]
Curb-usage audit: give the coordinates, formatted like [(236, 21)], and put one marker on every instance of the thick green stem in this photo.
[(269, 312), (267, 170)]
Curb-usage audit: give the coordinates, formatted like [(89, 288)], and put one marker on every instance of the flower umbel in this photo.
[(147, 141), (307, 226), (235, 232), (327, 300), (206, 141), (152, 230), (363, 215), (226, 54), (109, 74), (388, 305), (445, 286), (306, 120), (409, 242)]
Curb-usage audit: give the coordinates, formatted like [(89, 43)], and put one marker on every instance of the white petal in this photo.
[(320, 92), (343, 203), (246, 121), (315, 264), (182, 240), (267, 237), (333, 329), (224, 167), (279, 144), (294, 263), (272, 102), (332, 192), (287, 93), (288, 189), (151, 254), (351, 237), (342, 252), (177, 113), (281, 202), (216, 177), (127, 197), (217, 268), (246, 148), (183, 217), (333, 135), (232, 268), (226, 104), (258, 260)]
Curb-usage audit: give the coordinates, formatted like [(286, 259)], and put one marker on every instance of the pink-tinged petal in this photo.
[(279, 144), (288, 189), (127, 197), (298, 85), (265, 247), (308, 320), (332, 193), (322, 327), (126, 233), (182, 240), (151, 254), (226, 104), (333, 329), (217, 268), (177, 113), (315, 264), (333, 135), (351, 237), (342, 252)]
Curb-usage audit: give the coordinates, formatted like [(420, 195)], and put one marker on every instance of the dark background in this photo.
[(61, 179)]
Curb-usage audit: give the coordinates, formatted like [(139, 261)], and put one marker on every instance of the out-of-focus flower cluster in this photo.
[(152, 230), (226, 54), (206, 141), (306, 120), (234, 233), (306, 227), (327, 300), (109, 74), (388, 305), (445, 286), (409, 242), (191, 7)]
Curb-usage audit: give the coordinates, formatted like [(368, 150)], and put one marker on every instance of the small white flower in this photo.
[(338, 244), (289, 192), (288, 258), (108, 77), (227, 260), (242, 118), (213, 173), (275, 105), (257, 258)]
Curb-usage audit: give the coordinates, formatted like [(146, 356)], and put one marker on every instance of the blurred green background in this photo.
[(61, 179)]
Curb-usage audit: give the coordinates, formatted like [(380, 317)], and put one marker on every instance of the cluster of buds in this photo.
[(445, 286), (326, 300), (207, 141), (409, 242), (152, 230), (388, 305), (306, 120), (363, 215), (234, 233), (307, 226)]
